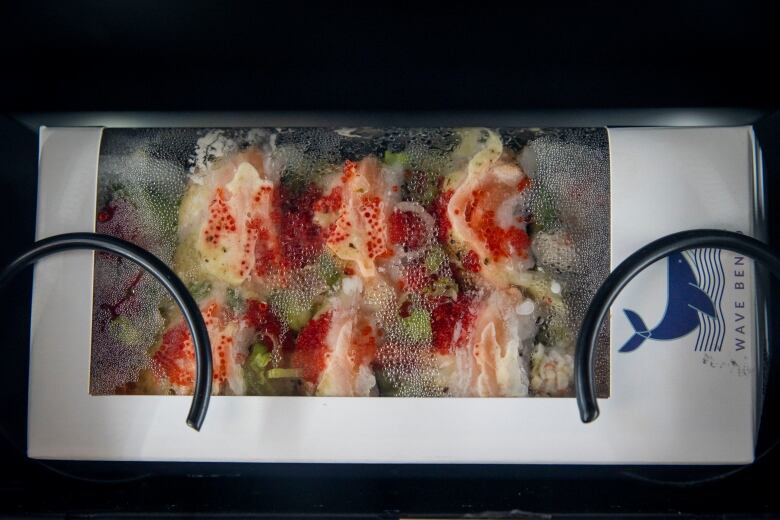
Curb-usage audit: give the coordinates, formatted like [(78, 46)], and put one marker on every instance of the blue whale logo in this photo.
[(686, 299)]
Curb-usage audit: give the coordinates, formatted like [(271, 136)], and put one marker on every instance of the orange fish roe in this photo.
[(222, 350), (500, 242), (220, 219), (363, 347), (350, 171), (329, 203), (356, 218), (176, 355), (520, 241), (473, 204), (266, 253), (370, 210)]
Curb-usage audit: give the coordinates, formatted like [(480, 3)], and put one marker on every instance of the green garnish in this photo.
[(396, 158), (119, 190), (284, 373), (417, 326), (555, 332), (162, 207), (122, 329), (422, 186), (543, 209), (259, 357), (424, 168), (199, 289), (234, 300), (328, 271), (434, 259), (255, 371), (386, 385), (444, 286), (291, 307)]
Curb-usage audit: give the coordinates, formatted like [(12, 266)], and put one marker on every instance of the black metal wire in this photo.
[(158, 269), (585, 355)]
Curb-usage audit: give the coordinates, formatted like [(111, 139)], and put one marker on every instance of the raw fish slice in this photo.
[(227, 224), (486, 210), (486, 359), (335, 349), (230, 338), (353, 215)]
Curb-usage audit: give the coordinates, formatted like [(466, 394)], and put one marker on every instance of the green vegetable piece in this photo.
[(538, 285), (291, 307), (543, 208), (396, 158), (259, 358), (422, 186), (234, 300), (122, 329), (256, 381), (417, 326), (328, 271), (443, 286), (255, 384), (435, 259), (556, 332), (255, 371), (199, 289), (387, 387), (163, 209), (284, 373), (423, 170)]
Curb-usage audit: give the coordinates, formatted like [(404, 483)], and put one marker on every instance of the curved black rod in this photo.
[(585, 355), (158, 269)]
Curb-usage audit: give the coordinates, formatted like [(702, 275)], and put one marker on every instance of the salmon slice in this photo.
[(488, 360)]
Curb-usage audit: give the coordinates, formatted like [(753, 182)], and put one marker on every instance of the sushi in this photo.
[(395, 273)]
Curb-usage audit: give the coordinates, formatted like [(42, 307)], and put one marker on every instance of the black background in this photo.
[(158, 55), (401, 57)]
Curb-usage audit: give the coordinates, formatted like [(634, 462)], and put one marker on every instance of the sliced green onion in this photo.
[(284, 373)]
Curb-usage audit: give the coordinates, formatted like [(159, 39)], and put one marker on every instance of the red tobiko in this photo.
[(444, 320), (311, 352), (176, 354), (406, 229), (300, 236), (439, 210), (471, 262), (259, 316)]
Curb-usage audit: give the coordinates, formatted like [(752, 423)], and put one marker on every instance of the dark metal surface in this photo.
[(533, 118), (399, 56)]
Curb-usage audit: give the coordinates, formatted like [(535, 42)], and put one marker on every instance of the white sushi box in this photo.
[(692, 399)]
